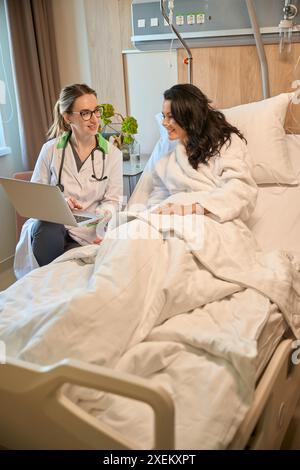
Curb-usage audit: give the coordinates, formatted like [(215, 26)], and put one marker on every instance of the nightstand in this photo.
[(132, 171)]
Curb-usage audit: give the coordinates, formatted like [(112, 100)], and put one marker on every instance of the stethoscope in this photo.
[(102, 177)]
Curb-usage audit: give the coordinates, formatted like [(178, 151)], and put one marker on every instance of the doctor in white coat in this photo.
[(87, 168)]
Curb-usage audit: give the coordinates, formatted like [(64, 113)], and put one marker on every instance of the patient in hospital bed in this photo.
[(177, 292), (210, 163)]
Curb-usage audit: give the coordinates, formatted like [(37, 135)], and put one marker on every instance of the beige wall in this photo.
[(109, 30), (72, 41), (91, 35)]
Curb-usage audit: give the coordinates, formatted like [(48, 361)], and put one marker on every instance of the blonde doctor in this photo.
[(87, 169)]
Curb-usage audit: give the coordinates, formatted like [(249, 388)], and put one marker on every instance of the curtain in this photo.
[(33, 50)]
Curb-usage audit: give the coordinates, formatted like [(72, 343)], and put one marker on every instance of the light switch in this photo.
[(190, 19), (200, 18), (179, 20), (141, 23), (154, 22)]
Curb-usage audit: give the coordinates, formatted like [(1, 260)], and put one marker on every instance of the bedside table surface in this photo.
[(135, 167)]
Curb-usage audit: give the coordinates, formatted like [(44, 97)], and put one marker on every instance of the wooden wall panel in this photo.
[(105, 48), (125, 24), (231, 75)]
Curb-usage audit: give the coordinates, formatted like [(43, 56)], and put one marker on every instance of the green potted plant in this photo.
[(118, 128)]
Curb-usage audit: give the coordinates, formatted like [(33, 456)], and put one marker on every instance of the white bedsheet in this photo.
[(275, 221), (199, 357), (83, 306)]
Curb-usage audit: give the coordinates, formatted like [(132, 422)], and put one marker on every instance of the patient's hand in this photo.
[(178, 209), (97, 241), (73, 203)]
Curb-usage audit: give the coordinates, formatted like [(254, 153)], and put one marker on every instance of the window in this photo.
[(4, 150), (8, 119)]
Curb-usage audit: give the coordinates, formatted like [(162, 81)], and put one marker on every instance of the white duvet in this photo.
[(184, 314)]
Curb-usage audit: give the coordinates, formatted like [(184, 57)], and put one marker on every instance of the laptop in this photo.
[(44, 202)]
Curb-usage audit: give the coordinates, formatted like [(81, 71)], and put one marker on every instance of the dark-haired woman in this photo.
[(210, 165), (87, 168)]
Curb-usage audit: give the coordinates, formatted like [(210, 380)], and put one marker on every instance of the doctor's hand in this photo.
[(73, 203)]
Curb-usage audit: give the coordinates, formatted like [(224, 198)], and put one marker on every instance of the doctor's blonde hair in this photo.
[(64, 104)]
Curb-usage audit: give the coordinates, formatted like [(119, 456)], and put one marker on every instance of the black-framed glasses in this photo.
[(86, 114)]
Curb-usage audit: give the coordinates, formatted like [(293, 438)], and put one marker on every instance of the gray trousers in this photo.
[(50, 240)]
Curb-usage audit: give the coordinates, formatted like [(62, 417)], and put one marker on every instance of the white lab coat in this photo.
[(93, 195)]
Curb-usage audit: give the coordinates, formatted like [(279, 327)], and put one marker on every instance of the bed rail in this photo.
[(274, 403), (35, 414)]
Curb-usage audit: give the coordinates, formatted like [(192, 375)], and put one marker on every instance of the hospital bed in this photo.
[(276, 224), (35, 413)]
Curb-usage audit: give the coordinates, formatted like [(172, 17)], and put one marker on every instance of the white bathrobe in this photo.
[(224, 186)]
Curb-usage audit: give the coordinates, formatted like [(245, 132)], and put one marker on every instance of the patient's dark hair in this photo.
[(207, 129)]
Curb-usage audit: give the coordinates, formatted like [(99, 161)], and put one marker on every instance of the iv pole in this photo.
[(189, 58), (258, 42), (260, 49)]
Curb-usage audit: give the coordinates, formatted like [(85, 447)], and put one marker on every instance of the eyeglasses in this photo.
[(86, 114)]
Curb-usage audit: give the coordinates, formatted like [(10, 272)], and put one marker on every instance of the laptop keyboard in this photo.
[(80, 218)]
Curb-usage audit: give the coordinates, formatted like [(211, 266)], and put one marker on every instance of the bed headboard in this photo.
[(230, 75)]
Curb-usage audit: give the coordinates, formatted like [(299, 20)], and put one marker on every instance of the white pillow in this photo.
[(163, 145), (262, 125), (293, 146)]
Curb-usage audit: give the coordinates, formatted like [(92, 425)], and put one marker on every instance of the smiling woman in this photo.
[(189, 117), (87, 169), (174, 130)]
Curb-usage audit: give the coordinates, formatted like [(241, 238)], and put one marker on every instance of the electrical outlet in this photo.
[(179, 20), (200, 18), (190, 19), (141, 23)]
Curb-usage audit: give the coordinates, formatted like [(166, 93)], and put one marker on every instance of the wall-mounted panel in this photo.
[(204, 21)]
